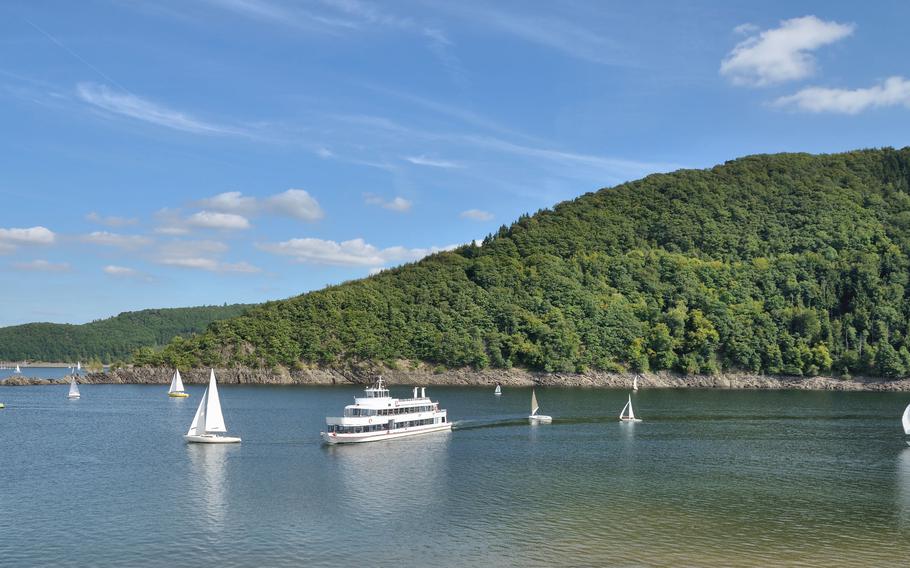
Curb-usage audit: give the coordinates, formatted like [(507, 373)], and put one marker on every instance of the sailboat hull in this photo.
[(73, 396), (630, 419), (210, 439), (178, 394), (540, 419)]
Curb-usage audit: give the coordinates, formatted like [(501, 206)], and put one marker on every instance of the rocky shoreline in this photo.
[(426, 376)]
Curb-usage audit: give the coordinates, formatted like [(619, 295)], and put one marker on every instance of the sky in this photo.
[(199, 152)]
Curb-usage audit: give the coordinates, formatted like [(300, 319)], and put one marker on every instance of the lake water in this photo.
[(710, 478), (37, 372)]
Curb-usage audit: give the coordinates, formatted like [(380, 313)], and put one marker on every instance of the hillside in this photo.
[(789, 263), (109, 339)]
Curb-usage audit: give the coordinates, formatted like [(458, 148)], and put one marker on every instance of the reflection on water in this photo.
[(208, 467), (903, 488), (386, 477)]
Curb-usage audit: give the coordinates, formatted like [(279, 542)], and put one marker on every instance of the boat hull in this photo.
[(331, 438), (630, 419), (209, 439), (540, 419), (73, 396), (178, 394)]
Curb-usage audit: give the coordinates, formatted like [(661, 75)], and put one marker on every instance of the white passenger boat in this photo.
[(378, 416)]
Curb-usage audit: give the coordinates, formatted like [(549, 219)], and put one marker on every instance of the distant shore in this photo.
[(479, 378)]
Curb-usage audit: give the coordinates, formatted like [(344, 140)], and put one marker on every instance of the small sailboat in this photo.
[(78, 365), (498, 390), (74, 390), (17, 369), (209, 422), (905, 420), (630, 417), (535, 418), (176, 390), (635, 383)]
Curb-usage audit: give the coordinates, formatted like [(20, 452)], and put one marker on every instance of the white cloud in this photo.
[(230, 202), (893, 91), (745, 29), (296, 203), (399, 204), (42, 266), (432, 162), (210, 264), (225, 221), (121, 271), (783, 53), (105, 238), (10, 239), (127, 104), (111, 221), (199, 255), (476, 215), (355, 252)]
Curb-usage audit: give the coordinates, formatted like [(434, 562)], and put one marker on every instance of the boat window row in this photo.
[(387, 411), (377, 393), (339, 429)]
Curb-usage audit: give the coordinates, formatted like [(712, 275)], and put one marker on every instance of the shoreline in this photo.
[(479, 378)]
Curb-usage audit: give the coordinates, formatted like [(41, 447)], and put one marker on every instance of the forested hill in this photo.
[(109, 339), (788, 263)]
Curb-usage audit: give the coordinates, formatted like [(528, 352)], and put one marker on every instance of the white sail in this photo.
[(196, 428), (78, 365), (176, 383), (628, 406), (214, 421), (497, 390), (905, 420), (17, 369), (534, 406), (631, 412), (623, 411), (635, 383), (74, 388)]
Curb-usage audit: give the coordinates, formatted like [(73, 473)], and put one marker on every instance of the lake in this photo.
[(710, 478)]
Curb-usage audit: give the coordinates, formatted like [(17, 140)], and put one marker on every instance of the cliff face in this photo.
[(469, 377)]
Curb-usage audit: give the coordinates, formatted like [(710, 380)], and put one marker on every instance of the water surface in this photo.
[(709, 478)]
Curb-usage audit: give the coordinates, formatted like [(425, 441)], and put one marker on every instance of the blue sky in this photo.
[(194, 152)]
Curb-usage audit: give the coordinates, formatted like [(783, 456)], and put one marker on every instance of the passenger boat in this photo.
[(378, 416)]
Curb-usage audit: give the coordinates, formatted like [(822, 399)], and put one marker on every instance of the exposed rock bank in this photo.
[(427, 376)]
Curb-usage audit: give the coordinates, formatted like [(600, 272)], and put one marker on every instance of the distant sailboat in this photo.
[(635, 383), (534, 417), (176, 390), (17, 369), (78, 365), (74, 390), (209, 422), (905, 420), (630, 417), (498, 390)]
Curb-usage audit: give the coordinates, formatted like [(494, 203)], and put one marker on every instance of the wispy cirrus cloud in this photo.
[(42, 266), (354, 252), (783, 53), (432, 162), (893, 91), (110, 221), (124, 272), (129, 105)]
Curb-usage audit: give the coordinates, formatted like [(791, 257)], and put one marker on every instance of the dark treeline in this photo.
[(790, 263), (110, 339)]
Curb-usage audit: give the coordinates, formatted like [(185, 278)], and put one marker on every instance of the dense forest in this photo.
[(110, 339), (789, 263)]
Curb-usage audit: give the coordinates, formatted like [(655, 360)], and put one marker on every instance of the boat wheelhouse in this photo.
[(378, 416)]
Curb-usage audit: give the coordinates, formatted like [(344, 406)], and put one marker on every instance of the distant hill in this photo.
[(109, 339), (788, 263)]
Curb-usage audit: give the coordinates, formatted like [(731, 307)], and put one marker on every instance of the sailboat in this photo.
[(534, 417), (17, 369), (630, 417), (905, 420), (209, 422), (78, 365), (74, 390), (635, 383), (498, 390), (176, 390)]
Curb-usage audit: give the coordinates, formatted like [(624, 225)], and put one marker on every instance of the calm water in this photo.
[(710, 478), (38, 372)]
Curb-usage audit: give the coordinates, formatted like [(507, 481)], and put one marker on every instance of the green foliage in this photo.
[(785, 263), (115, 338)]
